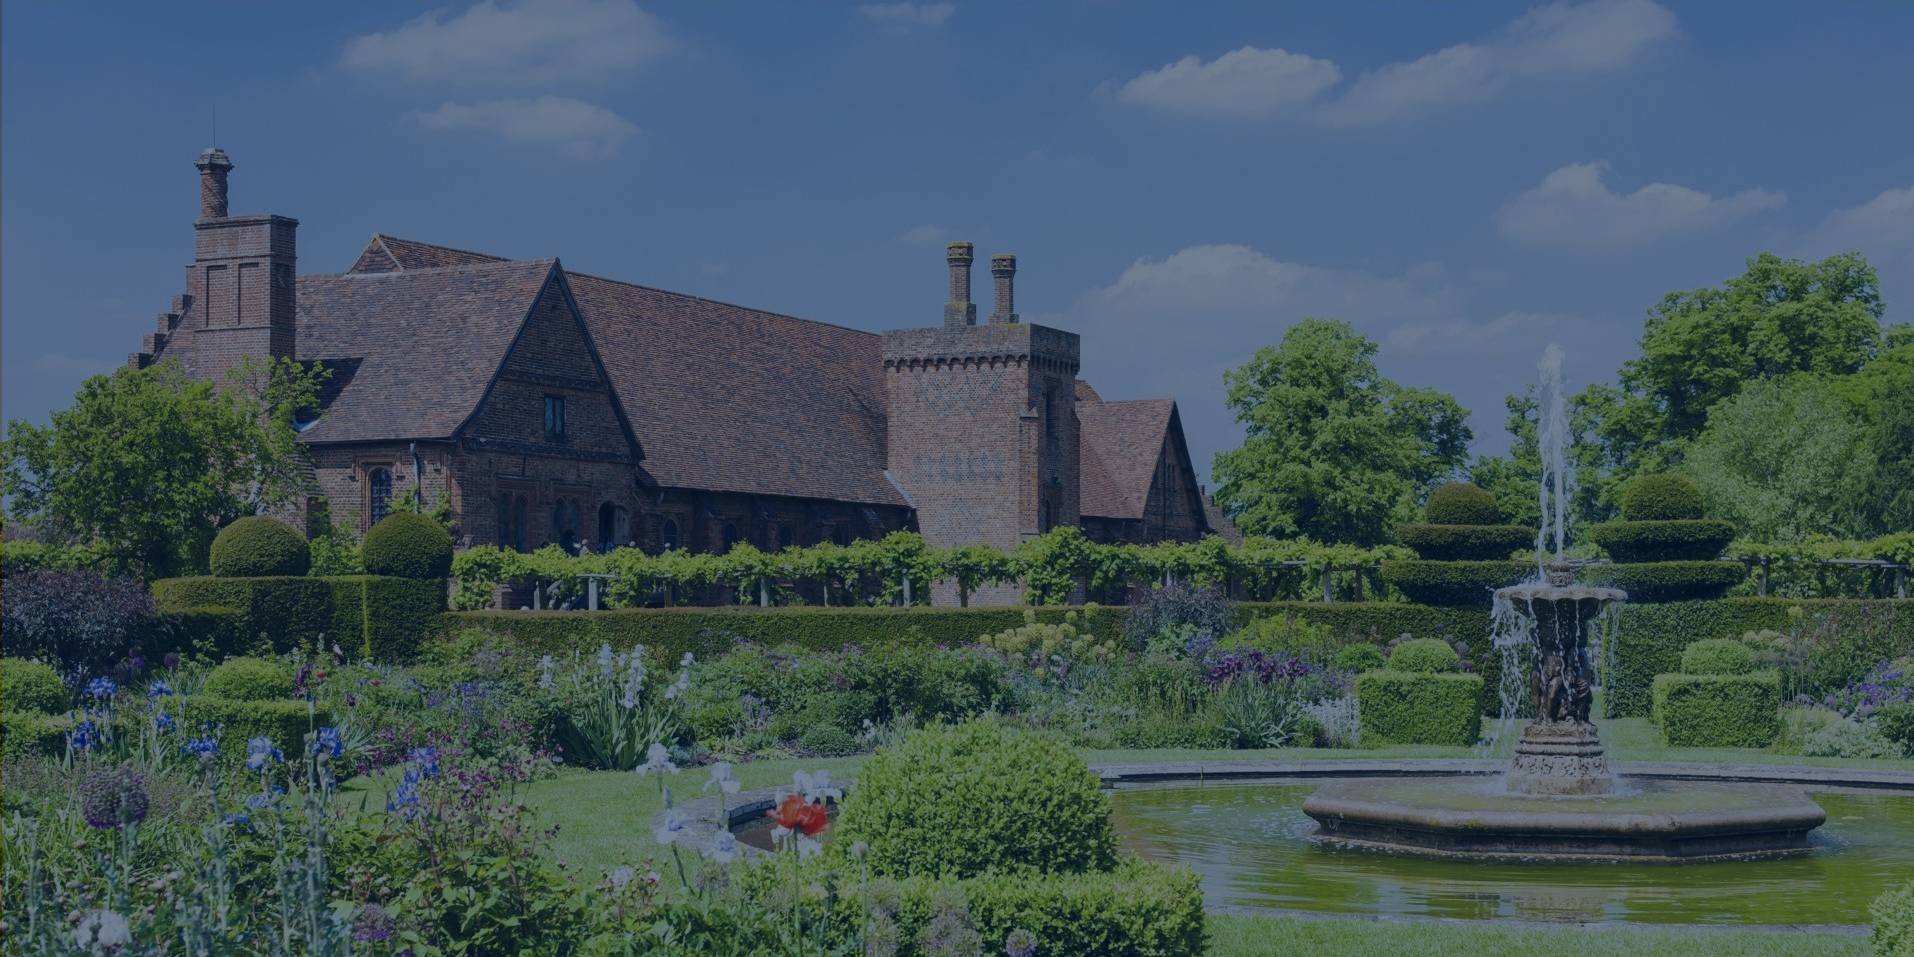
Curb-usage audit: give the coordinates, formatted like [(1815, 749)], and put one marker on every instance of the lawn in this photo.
[(1236, 935)]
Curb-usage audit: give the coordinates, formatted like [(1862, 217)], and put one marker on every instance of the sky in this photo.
[(1464, 183)]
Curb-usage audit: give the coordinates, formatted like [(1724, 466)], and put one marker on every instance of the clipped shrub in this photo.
[(1718, 711), (1408, 707), (1457, 584), (1424, 655), (1668, 581), (32, 734), (1446, 543), (1661, 498), (1027, 805), (407, 545), (1717, 656), (31, 686), (1893, 916), (284, 722), (1673, 540), (827, 740), (255, 546), (1359, 657), (81, 622), (249, 679), (1461, 503)]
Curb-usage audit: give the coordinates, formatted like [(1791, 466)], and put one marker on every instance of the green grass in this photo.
[(1234, 935)]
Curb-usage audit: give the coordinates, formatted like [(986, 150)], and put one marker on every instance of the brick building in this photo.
[(551, 406)]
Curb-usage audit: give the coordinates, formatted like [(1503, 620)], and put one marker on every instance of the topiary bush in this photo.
[(1461, 503), (249, 679), (1893, 916), (407, 545), (31, 686), (1675, 540), (1717, 656), (257, 546), (1448, 543), (978, 798), (1359, 657), (1424, 655), (1412, 707), (1661, 498), (1453, 584), (1718, 711), (1668, 581)]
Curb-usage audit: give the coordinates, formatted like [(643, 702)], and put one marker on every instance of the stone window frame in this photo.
[(371, 507), (554, 417), (517, 499)]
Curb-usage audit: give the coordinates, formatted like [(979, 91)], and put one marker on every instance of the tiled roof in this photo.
[(392, 254), (378, 327), (1121, 443)]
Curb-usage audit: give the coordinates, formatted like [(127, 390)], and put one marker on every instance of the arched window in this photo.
[(379, 494), (668, 535)]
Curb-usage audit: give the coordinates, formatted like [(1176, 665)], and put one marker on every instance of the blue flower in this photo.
[(102, 688), (203, 748), (158, 689), (427, 759), (164, 722), (260, 752), (405, 800), (238, 818), (266, 799), (83, 736), (328, 744)]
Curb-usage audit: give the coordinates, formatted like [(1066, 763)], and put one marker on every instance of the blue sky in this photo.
[(1464, 183)]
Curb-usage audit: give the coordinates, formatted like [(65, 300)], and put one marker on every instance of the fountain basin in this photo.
[(1645, 821)]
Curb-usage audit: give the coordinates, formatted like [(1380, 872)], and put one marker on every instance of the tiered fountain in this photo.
[(1558, 799)]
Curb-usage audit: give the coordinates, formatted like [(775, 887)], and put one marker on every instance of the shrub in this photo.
[(81, 622), (1461, 503), (407, 545), (1468, 584), (1195, 617), (827, 741), (1673, 540), (1465, 542), (1359, 657), (1424, 655), (1287, 634), (1893, 916), (285, 722), (975, 798), (249, 679), (1896, 723), (31, 686), (1661, 498), (1203, 730), (1848, 738), (382, 618), (257, 545), (1717, 656), (1668, 581), (32, 734), (1718, 711), (1404, 707)]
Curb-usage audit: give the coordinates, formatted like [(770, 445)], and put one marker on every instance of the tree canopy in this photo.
[(1334, 450), (1784, 459)]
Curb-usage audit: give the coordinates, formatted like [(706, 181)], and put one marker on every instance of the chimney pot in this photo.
[(213, 166), (1003, 267), (959, 311)]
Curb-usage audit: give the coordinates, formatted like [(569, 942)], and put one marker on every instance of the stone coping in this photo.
[(1247, 910), (1185, 772)]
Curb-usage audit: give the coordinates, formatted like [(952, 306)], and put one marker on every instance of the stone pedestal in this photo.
[(1560, 759)]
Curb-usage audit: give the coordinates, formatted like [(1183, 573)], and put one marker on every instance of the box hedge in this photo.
[(1454, 584), (1661, 497), (1717, 656), (1893, 916), (31, 686), (368, 615), (1649, 582), (257, 545), (1461, 503), (1718, 711), (1673, 540), (1425, 655), (31, 734), (408, 545), (1465, 542), (1403, 707), (284, 721)]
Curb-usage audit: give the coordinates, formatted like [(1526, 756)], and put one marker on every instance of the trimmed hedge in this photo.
[(1461, 503), (1718, 711), (33, 734), (1717, 656), (249, 679), (257, 545), (1424, 655), (211, 632), (1668, 581), (1454, 584), (1402, 707), (407, 545), (1854, 636), (31, 686), (1674, 540), (392, 616), (1465, 542), (283, 721), (1661, 498), (1359, 657), (378, 617)]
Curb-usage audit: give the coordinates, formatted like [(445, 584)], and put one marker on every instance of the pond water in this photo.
[(1250, 845)]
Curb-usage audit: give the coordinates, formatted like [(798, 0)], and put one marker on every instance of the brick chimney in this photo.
[(1003, 267), (213, 167), (959, 311)]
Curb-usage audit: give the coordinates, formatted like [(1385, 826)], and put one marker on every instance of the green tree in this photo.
[(147, 464), (1335, 451), (1784, 459)]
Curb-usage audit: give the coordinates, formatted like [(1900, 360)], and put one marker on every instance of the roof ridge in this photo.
[(432, 270), (384, 237), (720, 302)]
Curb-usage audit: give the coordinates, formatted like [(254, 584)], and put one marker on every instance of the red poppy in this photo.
[(797, 814)]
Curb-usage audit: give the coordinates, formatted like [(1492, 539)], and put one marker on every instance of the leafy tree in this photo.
[(1785, 459), (147, 463), (1335, 451)]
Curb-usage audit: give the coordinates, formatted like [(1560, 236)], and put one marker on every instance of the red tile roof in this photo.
[(1121, 445)]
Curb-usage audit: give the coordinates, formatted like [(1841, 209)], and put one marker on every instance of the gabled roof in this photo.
[(391, 254), (1120, 445), (378, 327)]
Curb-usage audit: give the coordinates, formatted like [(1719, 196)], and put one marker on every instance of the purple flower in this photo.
[(112, 797), (373, 925), (1020, 943), (328, 744)]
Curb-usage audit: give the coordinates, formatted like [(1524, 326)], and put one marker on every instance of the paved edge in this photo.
[(1244, 910), (1114, 775)]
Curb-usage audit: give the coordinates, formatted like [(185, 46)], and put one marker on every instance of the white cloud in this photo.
[(1573, 206), (1243, 83), (1458, 74), (908, 14), (529, 41), (1882, 227), (923, 235), (575, 127)]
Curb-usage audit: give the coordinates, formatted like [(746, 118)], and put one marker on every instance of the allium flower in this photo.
[(724, 847), (158, 689), (373, 925), (657, 761), (722, 779), (671, 827), (101, 688), (260, 753), (1020, 943), (102, 930), (170, 661), (794, 813), (112, 797), (328, 744)]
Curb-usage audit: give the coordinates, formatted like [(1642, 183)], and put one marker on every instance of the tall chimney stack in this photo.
[(1003, 267), (213, 167), (959, 311)]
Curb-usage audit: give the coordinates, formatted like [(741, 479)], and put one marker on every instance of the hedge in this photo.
[(1717, 656), (1461, 503), (283, 721), (1661, 497), (31, 686), (1672, 540), (1399, 707), (1850, 637), (257, 545), (29, 734), (1468, 584), (1649, 582), (1718, 711), (1424, 655), (1465, 542), (374, 616), (1893, 916), (407, 545)]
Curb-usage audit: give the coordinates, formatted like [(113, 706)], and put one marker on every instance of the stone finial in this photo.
[(213, 166), (1003, 267)]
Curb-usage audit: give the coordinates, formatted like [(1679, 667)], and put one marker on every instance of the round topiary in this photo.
[(31, 686), (1717, 656), (257, 546), (1424, 655), (974, 798), (1660, 498), (1675, 540), (1359, 657), (249, 679), (1445, 543), (1461, 503), (408, 545)]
